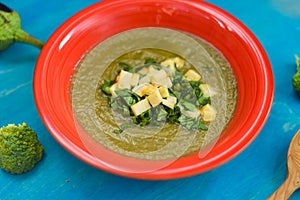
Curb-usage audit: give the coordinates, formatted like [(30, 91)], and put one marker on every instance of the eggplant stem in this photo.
[(22, 36)]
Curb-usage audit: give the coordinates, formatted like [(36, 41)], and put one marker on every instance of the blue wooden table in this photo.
[(254, 174)]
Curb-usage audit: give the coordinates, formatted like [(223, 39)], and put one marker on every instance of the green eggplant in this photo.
[(11, 31)]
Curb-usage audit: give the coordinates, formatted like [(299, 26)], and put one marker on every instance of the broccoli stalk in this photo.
[(20, 149), (296, 77)]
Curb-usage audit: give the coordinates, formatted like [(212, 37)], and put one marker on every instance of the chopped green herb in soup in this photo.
[(155, 93)]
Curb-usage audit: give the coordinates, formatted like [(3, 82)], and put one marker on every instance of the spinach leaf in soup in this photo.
[(159, 92)]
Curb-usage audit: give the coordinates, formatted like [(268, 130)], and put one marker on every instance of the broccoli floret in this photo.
[(296, 77), (20, 149)]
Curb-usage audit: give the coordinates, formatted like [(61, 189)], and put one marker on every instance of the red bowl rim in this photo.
[(183, 171)]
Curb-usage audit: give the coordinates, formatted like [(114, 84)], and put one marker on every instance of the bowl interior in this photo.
[(71, 41)]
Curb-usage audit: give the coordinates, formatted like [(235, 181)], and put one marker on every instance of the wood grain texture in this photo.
[(292, 181)]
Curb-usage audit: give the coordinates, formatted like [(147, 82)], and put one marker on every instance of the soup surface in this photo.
[(167, 141)]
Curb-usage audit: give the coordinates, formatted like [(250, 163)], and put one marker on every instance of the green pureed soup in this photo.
[(93, 113)]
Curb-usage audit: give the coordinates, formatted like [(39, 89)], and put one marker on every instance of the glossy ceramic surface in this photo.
[(253, 174), (76, 36)]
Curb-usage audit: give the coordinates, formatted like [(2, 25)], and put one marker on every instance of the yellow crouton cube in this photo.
[(164, 92), (207, 90), (144, 80), (155, 98), (113, 89), (173, 63), (170, 102), (192, 75), (123, 80), (144, 89), (134, 79), (140, 107), (208, 113)]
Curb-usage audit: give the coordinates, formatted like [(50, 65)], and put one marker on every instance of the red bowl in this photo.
[(74, 38)]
